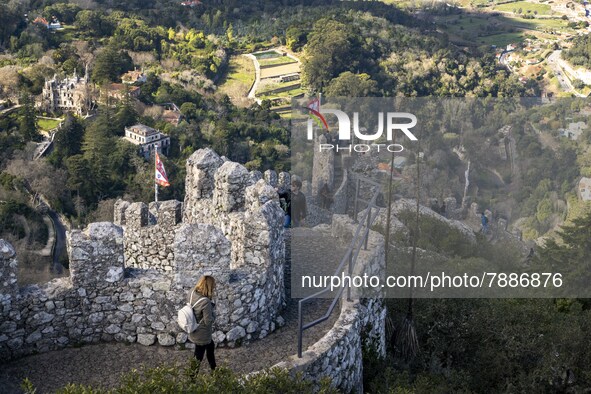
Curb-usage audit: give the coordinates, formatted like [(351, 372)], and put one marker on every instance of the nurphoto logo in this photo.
[(388, 121)]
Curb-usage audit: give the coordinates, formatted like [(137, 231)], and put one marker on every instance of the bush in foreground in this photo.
[(177, 379)]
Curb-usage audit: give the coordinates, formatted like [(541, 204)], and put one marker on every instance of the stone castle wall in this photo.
[(149, 233), (340, 199), (323, 167), (128, 279), (361, 323), (116, 292)]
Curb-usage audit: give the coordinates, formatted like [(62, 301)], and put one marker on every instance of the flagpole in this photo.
[(155, 168), (160, 177)]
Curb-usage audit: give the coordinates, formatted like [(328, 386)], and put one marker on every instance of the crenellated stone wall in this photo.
[(149, 232), (222, 194), (129, 278)]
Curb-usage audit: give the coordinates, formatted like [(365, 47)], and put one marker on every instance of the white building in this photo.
[(585, 189), (573, 131), (147, 139)]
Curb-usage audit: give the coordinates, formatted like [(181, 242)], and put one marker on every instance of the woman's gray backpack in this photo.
[(186, 317)]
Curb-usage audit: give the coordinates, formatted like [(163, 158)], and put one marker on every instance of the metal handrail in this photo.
[(350, 257)]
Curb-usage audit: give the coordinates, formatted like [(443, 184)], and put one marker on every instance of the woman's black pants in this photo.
[(200, 350)]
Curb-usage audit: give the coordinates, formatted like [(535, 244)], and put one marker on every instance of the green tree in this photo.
[(230, 33), (94, 23), (189, 111), (110, 64), (333, 47), (27, 119), (348, 84), (10, 18), (96, 147), (79, 178), (126, 114), (64, 12), (295, 38), (578, 84), (67, 140), (573, 250)]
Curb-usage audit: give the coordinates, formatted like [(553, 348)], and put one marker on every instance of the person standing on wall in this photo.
[(204, 315), (325, 196), (484, 222), (285, 201), (442, 209), (298, 204)]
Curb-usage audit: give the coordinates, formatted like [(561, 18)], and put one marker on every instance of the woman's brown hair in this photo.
[(205, 286)]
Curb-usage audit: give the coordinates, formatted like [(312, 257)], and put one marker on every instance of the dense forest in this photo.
[(493, 345), (579, 53)]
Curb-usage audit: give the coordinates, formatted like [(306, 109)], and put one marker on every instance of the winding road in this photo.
[(60, 241), (60, 230), (565, 84)]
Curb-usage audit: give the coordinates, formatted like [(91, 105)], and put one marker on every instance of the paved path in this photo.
[(557, 65), (9, 110), (103, 364), (257, 78)]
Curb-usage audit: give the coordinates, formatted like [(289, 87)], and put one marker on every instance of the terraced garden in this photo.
[(279, 79)]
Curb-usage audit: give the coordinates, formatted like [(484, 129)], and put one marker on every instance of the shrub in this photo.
[(177, 379)]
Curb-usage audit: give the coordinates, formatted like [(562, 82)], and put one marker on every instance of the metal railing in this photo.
[(350, 258)]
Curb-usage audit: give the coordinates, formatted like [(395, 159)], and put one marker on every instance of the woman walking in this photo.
[(201, 297)]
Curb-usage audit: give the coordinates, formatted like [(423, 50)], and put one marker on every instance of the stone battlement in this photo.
[(149, 232), (227, 196), (129, 278)]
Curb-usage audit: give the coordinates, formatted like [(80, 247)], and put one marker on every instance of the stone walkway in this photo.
[(103, 364)]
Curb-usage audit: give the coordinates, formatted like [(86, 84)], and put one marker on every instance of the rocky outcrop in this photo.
[(406, 206)]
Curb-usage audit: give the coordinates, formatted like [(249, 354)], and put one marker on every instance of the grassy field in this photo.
[(541, 9), (238, 79), (468, 25), (276, 61), (537, 23), (47, 124), (502, 39), (263, 92), (483, 29)]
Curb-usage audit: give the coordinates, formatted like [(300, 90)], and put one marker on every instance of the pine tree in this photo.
[(78, 177), (96, 147), (126, 114), (68, 140), (28, 120), (575, 246), (570, 257)]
